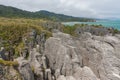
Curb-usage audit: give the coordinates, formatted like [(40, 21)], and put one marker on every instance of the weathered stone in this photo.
[(25, 69), (9, 73), (64, 57), (88, 58), (62, 77), (38, 62), (99, 31), (7, 55)]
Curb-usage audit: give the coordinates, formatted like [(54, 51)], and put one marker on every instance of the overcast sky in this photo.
[(79, 8)]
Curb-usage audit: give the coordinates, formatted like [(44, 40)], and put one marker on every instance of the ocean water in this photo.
[(108, 23)]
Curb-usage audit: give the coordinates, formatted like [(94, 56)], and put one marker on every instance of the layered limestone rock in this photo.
[(64, 57), (9, 73), (25, 69), (88, 58)]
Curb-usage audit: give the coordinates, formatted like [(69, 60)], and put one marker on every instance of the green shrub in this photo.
[(13, 30)]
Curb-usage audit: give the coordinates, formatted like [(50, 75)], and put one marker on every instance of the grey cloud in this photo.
[(80, 8)]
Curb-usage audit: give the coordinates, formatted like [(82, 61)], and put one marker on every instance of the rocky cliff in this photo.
[(89, 57), (64, 57)]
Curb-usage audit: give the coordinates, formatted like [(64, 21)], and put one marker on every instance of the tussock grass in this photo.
[(9, 63), (12, 30)]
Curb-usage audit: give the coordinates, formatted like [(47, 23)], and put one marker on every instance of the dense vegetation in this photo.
[(93, 29), (7, 11), (13, 30)]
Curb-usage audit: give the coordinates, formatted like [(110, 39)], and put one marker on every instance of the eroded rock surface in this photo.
[(88, 58), (64, 57), (25, 69)]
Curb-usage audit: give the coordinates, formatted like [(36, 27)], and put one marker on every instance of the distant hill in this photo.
[(7, 11)]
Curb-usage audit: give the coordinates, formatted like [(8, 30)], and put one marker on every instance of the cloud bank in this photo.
[(79, 8)]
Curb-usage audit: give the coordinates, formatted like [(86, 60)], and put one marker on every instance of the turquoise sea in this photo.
[(106, 23)]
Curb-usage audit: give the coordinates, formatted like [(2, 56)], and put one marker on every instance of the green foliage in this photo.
[(69, 30), (13, 30), (116, 31)]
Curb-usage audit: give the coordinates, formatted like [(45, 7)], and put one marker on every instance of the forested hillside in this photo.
[(11, 12)]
